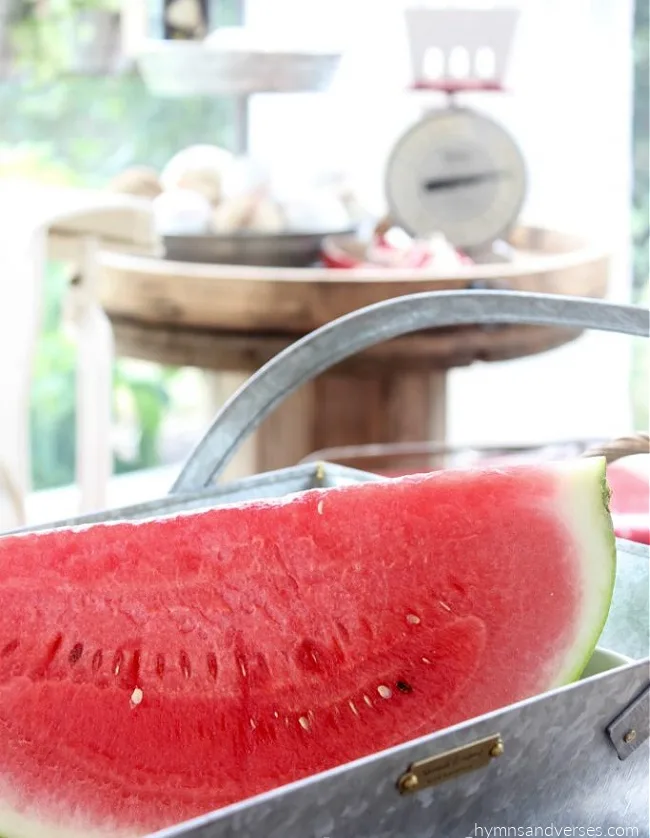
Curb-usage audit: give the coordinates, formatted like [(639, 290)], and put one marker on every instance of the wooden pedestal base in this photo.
[(339, 409)]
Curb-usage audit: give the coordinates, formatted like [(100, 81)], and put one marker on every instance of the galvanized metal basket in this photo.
[(573, 761)]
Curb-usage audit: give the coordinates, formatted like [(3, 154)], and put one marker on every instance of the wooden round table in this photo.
[(230, 320)]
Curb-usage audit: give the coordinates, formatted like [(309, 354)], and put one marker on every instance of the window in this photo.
[(571, 112)]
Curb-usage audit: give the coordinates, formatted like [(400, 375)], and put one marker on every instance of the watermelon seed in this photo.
[(118, 660), (212, 665), (308, 656), (353, 708), (9, 648), (304, 723), (426, 660), (134, 669), (186, 667), (339, 654), (403, 687), (136, 696), (160, 665), (412, 619), (320, 507), (367, 628), (75, 653), (345, 634), (97, 660), (444, 605), (276, 714), (252, 723), (458, 586), (384, 691), (367, 700), (52, 652)]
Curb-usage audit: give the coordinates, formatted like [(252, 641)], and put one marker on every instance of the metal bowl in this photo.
[(294, 249), (190, 68)]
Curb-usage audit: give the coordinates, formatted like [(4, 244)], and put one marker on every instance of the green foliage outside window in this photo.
[(81, 131)]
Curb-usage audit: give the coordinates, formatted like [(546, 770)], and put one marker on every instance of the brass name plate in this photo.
[(442, 767)]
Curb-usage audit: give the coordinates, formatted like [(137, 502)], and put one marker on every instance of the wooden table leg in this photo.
[(338, 409), (220, 386), (285, 437)]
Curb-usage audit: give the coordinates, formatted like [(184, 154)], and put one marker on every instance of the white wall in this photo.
[(570, 109)]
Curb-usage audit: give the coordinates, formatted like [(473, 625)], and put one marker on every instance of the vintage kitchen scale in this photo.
[(456, 171), (574, 758)]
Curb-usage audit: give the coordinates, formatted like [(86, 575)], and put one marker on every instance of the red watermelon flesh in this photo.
[(151, 672)]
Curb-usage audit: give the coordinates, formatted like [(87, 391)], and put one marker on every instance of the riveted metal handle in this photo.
[(625, 446), (355, 332), (399, 452)]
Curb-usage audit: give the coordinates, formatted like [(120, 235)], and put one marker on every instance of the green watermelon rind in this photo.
[(595, 494)]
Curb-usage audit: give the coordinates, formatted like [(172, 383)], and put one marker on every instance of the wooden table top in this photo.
[(230, 317)]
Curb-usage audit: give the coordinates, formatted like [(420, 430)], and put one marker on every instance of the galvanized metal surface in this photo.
[(342, 338), (280, 250), (628, 626), (558, 770), (194, 68)]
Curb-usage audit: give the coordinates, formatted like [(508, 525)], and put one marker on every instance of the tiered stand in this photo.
[(229, 320)]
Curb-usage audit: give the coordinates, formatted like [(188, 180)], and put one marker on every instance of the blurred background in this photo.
[(76, 111)]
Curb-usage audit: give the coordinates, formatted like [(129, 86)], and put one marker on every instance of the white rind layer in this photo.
[(582, 503), (13, 824)]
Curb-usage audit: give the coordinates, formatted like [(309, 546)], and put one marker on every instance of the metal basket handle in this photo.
[(612, 450), (323, 348), (625, 446)]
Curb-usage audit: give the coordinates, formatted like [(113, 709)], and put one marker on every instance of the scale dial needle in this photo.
[(455, 181)]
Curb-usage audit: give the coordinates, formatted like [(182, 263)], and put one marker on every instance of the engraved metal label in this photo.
[(442, 767)]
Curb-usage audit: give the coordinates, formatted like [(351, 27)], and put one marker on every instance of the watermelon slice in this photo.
[(151, 672)]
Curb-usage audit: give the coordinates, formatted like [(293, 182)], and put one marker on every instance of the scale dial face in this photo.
[(459, 173)]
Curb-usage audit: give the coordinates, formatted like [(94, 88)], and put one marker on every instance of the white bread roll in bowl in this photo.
[(181, 212), (248, 213), (319, 212), (200, 168)]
